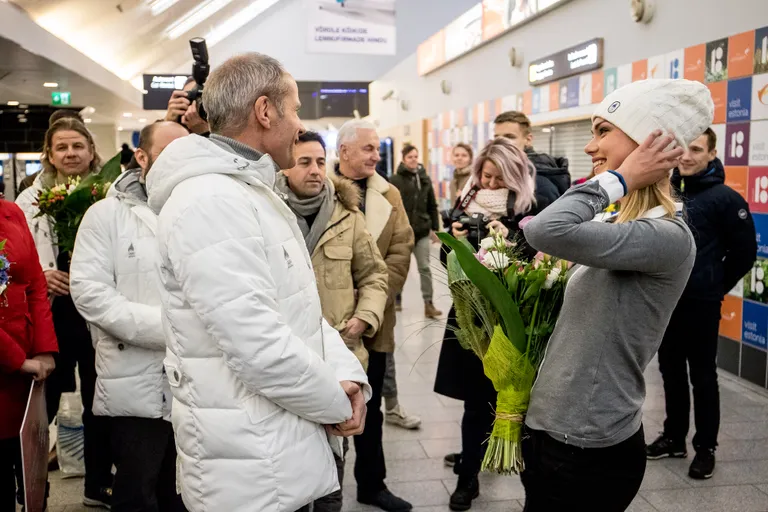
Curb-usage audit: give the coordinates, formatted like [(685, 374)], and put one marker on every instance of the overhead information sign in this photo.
[(351, 26), (159, 89), (572, 61)]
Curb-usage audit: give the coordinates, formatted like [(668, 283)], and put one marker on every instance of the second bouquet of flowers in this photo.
[(506, 309)]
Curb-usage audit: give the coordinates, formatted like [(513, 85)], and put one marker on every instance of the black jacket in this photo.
[(719, 218), (418, 199), (552, 176)]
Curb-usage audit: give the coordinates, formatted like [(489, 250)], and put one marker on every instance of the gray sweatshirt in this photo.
[(618, 302)]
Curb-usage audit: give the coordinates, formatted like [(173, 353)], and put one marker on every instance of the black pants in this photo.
[(370, 468), (561, 477), (476, 427), (691, 342), (10, 468), (76, 348), (145, 457), (333, 502)]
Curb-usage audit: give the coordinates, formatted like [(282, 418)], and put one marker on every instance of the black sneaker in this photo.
[(101, 498), (385, 500), (452, 459), (466, 490), (703, 465), (666, 447)]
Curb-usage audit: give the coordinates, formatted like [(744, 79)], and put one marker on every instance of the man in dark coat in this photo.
[(726, 248), (420, 204), (552, 176)]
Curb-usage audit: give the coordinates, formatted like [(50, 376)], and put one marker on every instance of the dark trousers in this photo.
[(145, 458), (10, 468), (76, 348), (476, 427), (370, 468), (691, 342), (560, 477), (333, 502)]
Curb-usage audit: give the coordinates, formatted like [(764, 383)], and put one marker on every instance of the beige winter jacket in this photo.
[(351, 274)]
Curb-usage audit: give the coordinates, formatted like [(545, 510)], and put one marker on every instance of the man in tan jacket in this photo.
[(387, 221), (351, 274)]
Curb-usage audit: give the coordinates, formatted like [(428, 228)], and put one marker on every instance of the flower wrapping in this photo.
[(506, 309)]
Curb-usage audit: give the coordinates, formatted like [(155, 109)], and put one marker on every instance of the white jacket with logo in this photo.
[(254, 369), (115, 287)]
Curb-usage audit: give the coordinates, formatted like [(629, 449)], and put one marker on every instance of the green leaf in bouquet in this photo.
[(82, 197), (512, 280), (492, 289), (111, 170)]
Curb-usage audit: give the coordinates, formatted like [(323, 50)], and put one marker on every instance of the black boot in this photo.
[(466, 490), (385, 500)]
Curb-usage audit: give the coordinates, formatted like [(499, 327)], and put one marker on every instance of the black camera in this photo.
[(200, 70), (475, 226)]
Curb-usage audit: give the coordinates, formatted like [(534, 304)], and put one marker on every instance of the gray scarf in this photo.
[(320, 205)]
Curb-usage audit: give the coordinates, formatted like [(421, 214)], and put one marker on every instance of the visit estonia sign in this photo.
[(566, 63)]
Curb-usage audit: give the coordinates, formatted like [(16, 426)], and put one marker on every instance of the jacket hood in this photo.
[(194, 156), (713, 175), (347, 192), (129, 186), (555, 169)]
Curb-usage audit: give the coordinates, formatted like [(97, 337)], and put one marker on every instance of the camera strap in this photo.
[(468, 198)]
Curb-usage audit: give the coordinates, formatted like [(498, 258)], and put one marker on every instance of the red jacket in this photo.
[(26, 324)]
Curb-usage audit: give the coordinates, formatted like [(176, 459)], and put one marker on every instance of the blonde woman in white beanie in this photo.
[(585, 446)]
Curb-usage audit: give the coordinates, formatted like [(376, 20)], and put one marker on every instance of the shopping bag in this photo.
[(70, 440)]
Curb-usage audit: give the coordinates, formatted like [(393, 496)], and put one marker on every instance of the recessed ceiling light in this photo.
[(23, 106), (142, 120), (51, 84), (23, 120), (127, 114), (87, 120), (13, 103), (119, 128)]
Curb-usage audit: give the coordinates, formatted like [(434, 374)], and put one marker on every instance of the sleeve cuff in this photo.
[(613, 184)]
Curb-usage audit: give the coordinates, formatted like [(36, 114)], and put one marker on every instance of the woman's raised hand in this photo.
[(650, 162)]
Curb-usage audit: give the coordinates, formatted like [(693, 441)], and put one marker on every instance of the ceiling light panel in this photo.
[(160, 6), (244, 16), (194, 17)]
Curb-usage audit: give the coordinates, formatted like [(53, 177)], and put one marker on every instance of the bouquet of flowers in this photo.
[(506, 309), (66, 204), (5, 267)]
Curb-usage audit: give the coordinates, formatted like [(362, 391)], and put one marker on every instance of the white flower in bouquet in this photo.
[(496, 260), (488, 243), (552, 278)]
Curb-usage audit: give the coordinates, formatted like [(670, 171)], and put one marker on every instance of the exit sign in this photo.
[(61, 98)]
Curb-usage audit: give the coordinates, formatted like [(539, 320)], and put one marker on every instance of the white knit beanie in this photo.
[(682, 108)]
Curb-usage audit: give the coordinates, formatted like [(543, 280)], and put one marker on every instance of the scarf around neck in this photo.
[(490, 203), (321, 206)]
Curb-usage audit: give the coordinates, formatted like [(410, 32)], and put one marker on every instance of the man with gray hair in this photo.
[(261, 383), (387, 221)]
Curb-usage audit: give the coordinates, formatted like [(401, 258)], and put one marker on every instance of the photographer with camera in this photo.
[(500, 192), (184, 106)]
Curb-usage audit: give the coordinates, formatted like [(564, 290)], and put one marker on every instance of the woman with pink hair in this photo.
[(499, 194)]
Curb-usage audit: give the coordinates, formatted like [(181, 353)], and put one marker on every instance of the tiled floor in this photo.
[(414, 458)]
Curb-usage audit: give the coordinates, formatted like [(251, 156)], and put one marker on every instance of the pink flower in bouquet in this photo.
[(524, 222)]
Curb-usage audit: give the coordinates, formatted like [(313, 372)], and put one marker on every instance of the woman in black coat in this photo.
[(499, 194)]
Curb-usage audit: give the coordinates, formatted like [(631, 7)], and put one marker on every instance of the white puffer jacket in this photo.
[(254, 369), (41, 227), (115, 286)]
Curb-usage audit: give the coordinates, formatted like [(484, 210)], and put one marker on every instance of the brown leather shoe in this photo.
[(430, 311)]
